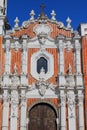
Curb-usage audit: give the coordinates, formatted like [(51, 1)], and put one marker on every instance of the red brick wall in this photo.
[(84, 54), (32, 101)]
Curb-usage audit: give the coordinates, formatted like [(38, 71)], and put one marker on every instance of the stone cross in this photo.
[(42, 6)]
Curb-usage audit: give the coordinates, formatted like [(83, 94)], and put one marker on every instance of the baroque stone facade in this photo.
[(42, 63)]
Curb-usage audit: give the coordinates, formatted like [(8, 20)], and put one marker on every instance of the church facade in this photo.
[(43, 74)]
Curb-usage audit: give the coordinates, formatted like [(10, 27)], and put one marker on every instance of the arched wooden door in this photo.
[(42, 117)]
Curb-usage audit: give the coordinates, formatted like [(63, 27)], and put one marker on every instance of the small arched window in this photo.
[(42, 63)]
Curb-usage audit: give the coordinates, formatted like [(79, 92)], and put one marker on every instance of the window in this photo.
[(42, 63)]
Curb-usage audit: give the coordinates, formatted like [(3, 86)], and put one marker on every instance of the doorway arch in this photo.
[(42, 116)]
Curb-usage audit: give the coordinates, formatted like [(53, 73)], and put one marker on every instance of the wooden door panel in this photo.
[(42, 117)]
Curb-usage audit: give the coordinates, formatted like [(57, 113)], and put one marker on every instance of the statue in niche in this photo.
[(14, 78), (70, 78)]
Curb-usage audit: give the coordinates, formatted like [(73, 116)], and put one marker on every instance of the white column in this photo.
[(23, 106), (80, 110), (61, 61), (78, 56), (71, 110), (62, 110), (24, 54), (5, 117), (7, 54), (78, 60), (14, 110), (61, 56), (24, 61)]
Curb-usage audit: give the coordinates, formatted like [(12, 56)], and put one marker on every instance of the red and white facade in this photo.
[(61, 83)]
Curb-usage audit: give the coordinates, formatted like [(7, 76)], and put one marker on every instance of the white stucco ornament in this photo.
[(46, 29), (42, 38), (70, 78)]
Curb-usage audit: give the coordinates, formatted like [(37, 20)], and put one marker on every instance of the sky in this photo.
[(75, 9)]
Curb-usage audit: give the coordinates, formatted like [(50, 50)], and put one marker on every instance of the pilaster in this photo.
[(71, 109), (62, 109), (80, 109), (24, 54), (23, 108), (5, 120), (7, 53), (24, 60), (60, 45), (14, 110), (61, 53), (15, 82), (71, 99), (79, 78)]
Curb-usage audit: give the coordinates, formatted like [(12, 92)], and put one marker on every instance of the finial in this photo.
[(69, 69), (16, 22), (32, 14), (53, 14), (42, 7), (68, 23)]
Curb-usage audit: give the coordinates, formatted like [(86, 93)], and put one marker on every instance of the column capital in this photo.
[(77, 45), (5, 96), (6, 80), (23, 96), (14, 97), (60, 40), (7, 45), (24, 42), (7, 37), (62, 97), (80, 95)]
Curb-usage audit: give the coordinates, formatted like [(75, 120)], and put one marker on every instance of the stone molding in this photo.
[(50, 60)]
